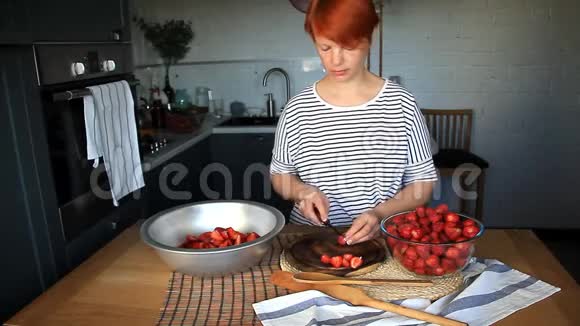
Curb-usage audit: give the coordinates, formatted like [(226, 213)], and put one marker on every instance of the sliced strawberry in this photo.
[(419, 263), (392, 242), (451, 217), (392, 229), (470, 231), (341, 240), (438, 226), (219, 229), (216, 242), (237, 239), (347, 257), (411, 253), (325, 259), (416, 234), (420, 271), (336, 261), (224, 234), (252, 236), (452, 253), (405, 230), (449, 265), (401, 248), (423, 251), (432, 261), (398, 219), (442, 209), (191, 237), (231, 232), (453, 232), (434, 235), (356, 262), (412, 217), (216, 235), (420, 211), (345, 263), (197, 245), (205, 237), (439, 271), (438, 250), (468, 222), (434, 217), (408, 263)]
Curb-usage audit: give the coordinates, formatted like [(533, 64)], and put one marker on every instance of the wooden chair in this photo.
[(451, 129)]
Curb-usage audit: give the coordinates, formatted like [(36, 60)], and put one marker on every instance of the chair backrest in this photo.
[(451, 129)]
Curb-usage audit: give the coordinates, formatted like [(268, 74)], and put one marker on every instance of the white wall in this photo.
[(516, 63), (250, 36)]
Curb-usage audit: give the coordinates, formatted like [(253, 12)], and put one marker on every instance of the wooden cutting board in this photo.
[(305, 253)]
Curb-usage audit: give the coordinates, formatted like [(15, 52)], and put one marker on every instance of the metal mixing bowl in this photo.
[(168, 229)]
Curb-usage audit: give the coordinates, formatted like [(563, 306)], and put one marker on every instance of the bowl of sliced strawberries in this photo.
[(213, 237), (431, 241)]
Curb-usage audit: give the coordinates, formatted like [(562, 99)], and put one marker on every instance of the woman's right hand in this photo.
[(313, 204)]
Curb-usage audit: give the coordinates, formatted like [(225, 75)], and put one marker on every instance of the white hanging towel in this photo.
[(112, 135)]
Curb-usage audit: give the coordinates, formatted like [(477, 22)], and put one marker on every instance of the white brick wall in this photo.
[(515, 62)]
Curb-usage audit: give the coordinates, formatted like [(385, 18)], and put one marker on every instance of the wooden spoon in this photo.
[(321, 278), (358, 298)]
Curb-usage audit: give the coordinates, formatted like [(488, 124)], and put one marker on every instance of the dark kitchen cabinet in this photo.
[(86, 21), (14, 22), (177, 181), (27, 21), (32, 240), (244, 174), (130, 210)]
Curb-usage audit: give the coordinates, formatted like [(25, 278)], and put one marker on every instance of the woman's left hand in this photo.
[(365, 227)]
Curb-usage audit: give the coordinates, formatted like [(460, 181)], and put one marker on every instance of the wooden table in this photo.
[(125, 283)]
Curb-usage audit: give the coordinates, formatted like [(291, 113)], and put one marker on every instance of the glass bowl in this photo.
[(424, 253)]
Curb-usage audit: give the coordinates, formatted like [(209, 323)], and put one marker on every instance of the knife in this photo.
[(327, 222)]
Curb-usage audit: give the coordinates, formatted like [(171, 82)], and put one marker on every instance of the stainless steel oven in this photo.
[(64, 72)]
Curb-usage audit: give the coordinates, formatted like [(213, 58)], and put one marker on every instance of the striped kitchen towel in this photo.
[(491, 292), (111, 133)]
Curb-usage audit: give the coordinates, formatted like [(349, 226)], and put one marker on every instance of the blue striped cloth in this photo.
[(492, 291)]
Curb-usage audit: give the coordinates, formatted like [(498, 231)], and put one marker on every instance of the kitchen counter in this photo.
[(125, 284), (181, 142)]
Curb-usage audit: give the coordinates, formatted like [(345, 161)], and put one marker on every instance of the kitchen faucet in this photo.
[(270, 109)]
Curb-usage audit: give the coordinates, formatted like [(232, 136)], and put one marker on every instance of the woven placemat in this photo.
[(223, 300), (391, 269)]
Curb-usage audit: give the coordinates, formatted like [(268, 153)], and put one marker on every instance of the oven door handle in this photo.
[(79, 93)]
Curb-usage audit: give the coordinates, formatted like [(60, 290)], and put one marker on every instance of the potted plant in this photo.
[(171, 40)]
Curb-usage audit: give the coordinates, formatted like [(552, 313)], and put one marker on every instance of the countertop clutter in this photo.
[(178, 142), (125, 283)]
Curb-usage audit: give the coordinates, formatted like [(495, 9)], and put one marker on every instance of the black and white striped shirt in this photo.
[(358, 156)]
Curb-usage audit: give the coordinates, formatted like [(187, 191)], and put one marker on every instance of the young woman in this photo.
[(353, 147)]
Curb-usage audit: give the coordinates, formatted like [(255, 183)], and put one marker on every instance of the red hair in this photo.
[(346, 22)]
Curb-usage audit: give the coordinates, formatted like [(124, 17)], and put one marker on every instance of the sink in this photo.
[(250, 121)]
